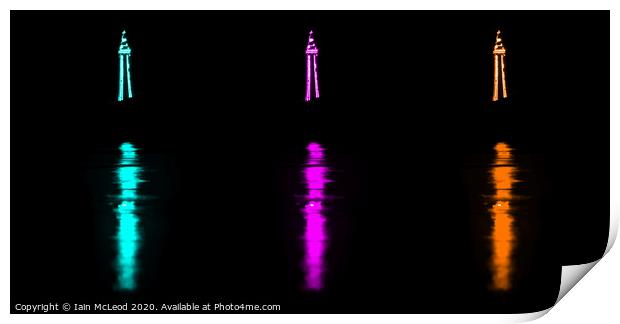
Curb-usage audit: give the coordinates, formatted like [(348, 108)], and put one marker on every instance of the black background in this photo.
[(396, 88)]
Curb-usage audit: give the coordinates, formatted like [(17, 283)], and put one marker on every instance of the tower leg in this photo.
[(495, 76), (504, 90), (129, 94), (120, 78), (316, 78), (308, 75)]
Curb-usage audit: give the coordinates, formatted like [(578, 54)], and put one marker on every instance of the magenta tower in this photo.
[(311, 53)]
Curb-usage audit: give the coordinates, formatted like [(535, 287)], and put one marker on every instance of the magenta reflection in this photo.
[(315, 237)]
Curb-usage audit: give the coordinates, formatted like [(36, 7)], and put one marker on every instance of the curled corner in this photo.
[(533, 316), (571, 274), (613, 228)]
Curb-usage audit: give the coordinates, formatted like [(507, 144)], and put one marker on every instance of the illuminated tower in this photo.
[(499, 52), (124, 53), (311, 53)]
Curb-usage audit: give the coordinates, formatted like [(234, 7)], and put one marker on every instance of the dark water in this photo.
[(314, 222), (311, 225), (399, 192)]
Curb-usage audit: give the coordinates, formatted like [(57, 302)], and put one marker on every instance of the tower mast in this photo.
[(311, 68), (124, 54), (499, 53)]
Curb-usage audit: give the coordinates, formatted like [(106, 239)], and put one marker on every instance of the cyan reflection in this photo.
[(315, 235), (128, 232)]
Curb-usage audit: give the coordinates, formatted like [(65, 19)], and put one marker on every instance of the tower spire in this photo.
[(498, 40), (312, 52), (124, 44), (499, 52), (124, 53)]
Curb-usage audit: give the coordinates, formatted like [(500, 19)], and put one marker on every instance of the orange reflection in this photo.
[(502, 234)]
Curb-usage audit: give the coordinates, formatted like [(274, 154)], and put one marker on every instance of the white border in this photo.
[(594, 300)]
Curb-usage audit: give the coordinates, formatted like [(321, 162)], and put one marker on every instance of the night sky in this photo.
[(407, 62)]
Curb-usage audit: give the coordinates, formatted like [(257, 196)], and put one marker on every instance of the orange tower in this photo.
[(499, 52)]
